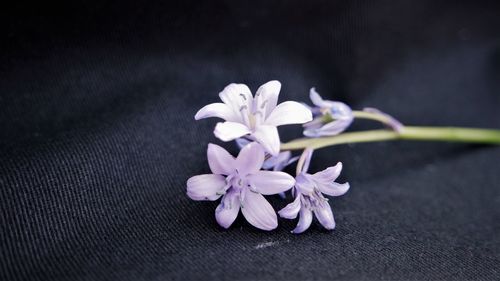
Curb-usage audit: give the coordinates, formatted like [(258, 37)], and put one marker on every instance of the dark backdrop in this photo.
[(97, 138)]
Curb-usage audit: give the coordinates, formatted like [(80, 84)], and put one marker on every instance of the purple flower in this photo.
[(241, 184), (309, 197), (331, 117), (254, 117)]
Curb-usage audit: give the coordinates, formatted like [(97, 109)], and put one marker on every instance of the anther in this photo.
[(263, 104)]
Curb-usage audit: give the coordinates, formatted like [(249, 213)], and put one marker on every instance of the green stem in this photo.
[(371, 116), (447, 134)]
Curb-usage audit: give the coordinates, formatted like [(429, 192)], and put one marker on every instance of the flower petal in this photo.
[(325, 216), (269, 138), (308, 152), (206, 187), (230, 130), (250, 159), (316, 98), (340, 110), (289, 112), (228, 209), (314, 109), (258, 212), (279, 160), (236, 96), (329, 174), (305, 220), (392, 122), (270, 182), (291, 210), (219, 160), (218, 109), (333, 188), (266, 97), (316, 123), (303, 184), (330, 129), (312, 133), (318, 101), (291, 160)]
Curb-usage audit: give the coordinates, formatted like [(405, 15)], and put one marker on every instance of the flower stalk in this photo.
[(445, 134), (242, 182)]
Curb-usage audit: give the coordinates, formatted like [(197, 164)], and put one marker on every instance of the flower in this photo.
[(331, 117), (255, 117), (309, 197), (241, 184)]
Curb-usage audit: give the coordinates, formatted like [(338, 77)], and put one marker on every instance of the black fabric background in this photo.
[(97, 138)]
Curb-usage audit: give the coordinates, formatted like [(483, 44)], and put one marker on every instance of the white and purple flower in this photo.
[(241, 184), (254, 117), (330, 117), (309, 199)]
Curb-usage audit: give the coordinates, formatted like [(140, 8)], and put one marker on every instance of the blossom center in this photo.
[(239, 182), (253, 116)]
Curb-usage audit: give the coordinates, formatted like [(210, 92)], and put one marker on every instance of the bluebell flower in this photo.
[(309, 199), (330, 117)]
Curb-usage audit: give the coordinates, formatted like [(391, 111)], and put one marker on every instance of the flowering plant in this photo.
[(252, 122)]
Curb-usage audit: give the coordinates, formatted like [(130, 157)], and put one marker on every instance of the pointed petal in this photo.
[(291, 210), (312, 133), (308, 152), (228, 209), (390, 121), (333, 188), (206, 187), (270, 182), (316, 98), (305, 220), (289, 112), (230, 130), (336, 127), (315, 110), (219, 160), (266, 97), (280, 160), (292, 160), (250, 159), (325, 216), (269, 138), (303, 184), (329, 174), (330, 129), (258, 212), (236, 96), (220, 110), (315, 124), (318, 101)]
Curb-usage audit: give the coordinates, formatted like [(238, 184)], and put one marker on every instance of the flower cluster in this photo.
[(242, 182)]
